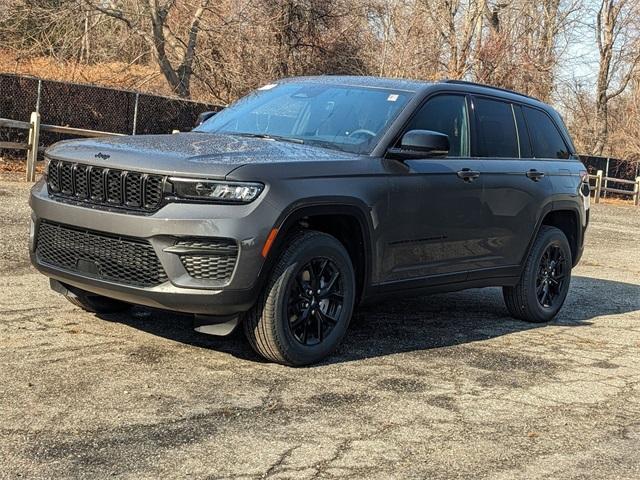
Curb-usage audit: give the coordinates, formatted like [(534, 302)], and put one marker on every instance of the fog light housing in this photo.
[(32, 235)]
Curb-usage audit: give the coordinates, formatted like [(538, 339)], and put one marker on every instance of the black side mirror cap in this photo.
[(420, 144), (203, 117)]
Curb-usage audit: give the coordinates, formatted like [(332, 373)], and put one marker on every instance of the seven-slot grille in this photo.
[(105, 186), (124, 260)]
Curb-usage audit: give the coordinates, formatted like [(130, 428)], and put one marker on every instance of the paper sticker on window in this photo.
[(268, 86), (392, 98)]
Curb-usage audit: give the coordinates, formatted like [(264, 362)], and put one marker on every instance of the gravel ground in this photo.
[(445, 386)]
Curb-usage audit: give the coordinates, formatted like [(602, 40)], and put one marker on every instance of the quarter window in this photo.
[(445, 114), (546, 141), (497, 135)]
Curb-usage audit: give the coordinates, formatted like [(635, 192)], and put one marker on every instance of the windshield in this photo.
[(346, 118)]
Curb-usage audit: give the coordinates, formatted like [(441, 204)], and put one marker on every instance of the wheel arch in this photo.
[(345, 219), (567, 219)]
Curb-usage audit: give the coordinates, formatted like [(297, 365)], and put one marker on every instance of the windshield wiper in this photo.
[(277, 138)]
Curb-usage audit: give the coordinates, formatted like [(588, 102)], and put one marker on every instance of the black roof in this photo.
[(364, 81), (408, 85)]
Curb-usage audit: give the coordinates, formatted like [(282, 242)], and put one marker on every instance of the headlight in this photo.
[(216, 191), (47, 161)]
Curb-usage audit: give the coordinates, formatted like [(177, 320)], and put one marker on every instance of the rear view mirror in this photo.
[(203, 117)]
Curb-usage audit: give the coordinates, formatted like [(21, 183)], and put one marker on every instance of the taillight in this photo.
[(584, 176), (585, 188)]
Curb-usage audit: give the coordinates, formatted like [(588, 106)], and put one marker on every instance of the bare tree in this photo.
[(458, 23), (619, 49), (218, 50), (149, 19)]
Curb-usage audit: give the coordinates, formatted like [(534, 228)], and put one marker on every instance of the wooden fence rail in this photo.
[(600, 186), (34, 127)]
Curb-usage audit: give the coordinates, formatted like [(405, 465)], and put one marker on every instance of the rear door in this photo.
[(517, 187)]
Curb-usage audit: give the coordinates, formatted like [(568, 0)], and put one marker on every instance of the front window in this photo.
[(445, 114), (341, 117)]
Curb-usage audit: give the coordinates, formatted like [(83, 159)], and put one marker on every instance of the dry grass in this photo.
[(617, 201), (114, 74), (17, 164)]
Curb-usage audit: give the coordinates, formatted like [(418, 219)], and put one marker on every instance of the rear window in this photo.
[(497, 135), (546, 140)]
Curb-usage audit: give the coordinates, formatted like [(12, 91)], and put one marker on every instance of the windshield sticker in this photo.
[(392, 98), (269, 86)]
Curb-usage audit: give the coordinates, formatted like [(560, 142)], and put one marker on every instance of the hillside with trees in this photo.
[(582, 56)]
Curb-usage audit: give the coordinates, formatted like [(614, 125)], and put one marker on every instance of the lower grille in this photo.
[(124, 260), (213, 259)]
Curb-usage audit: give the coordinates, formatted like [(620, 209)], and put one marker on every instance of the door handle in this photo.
[(468, 175), (534, 174)]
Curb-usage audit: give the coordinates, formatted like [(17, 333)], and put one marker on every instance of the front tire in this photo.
[(545, 280), (304, 311)]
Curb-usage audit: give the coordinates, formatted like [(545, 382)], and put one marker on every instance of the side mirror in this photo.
[(203, 117), (420, 144)]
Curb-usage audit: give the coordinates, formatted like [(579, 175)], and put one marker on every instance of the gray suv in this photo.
[(311, 196)]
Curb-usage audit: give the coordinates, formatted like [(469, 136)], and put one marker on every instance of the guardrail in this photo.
[(601, 185), (35, 127)]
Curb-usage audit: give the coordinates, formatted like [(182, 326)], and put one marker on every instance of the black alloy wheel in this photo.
[(314, 301), (551, 276)]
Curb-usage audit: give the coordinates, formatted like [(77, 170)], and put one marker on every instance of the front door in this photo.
[(435, 227)]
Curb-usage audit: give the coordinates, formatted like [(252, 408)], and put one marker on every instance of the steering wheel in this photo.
[(361, 130)]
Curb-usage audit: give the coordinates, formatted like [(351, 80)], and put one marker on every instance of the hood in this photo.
[(187, 154)]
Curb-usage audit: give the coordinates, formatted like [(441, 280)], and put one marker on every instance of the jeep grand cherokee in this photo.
[(312, 195)]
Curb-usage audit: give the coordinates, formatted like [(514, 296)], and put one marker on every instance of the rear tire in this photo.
[(545, 280), (93, 303), (304, 311)]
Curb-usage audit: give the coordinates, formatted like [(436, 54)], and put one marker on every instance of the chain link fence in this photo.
[(91, 107)]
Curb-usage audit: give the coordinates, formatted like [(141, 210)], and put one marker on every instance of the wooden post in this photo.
[(636, 192), (135, 114), (32, 152), (606, 175), (599, 175)]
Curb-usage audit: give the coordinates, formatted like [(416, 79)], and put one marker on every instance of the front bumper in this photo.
[(248, 225)]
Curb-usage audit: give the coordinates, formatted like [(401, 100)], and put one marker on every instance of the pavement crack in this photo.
[(276, 466)]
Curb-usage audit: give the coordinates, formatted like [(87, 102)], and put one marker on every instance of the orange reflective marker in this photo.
[(270, 239)]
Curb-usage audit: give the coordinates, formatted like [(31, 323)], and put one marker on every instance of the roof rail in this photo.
[(475, 84)]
